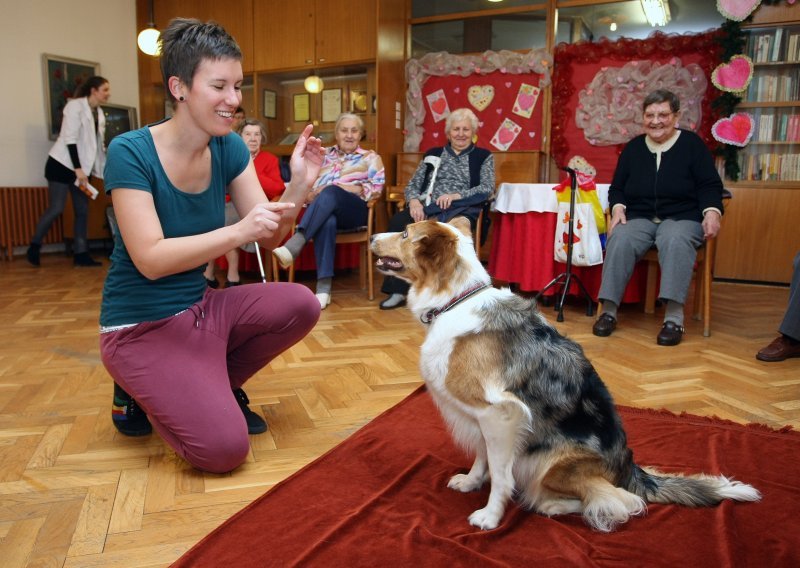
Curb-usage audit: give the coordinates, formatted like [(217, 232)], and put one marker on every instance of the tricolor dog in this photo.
[(521, 397)]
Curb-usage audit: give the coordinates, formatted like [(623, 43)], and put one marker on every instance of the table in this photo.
[(523, 239)]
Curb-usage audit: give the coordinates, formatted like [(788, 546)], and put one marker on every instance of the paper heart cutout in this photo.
[(480, 96), (439, 105), (436, 135), (734, 76), (505, 136), (735, 130), (737, 10), (526, 101)]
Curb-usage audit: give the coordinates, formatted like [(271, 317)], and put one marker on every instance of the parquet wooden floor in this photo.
[(74, 493)]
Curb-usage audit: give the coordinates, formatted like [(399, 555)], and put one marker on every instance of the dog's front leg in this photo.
[(477, 475), (500, 428)]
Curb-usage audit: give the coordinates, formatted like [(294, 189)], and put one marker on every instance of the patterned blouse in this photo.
[(362, 167)]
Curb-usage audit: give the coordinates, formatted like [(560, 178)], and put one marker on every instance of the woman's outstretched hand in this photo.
[(307, 158)]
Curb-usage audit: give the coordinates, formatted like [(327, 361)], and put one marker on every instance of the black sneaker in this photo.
[(33, 254), (83, 259), (255, 424), (129, 418)]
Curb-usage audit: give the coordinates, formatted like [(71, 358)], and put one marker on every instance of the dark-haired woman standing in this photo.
[(78, 153)]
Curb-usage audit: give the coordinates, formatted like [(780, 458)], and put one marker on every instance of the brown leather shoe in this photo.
[(670, 334), (604, 325), (780, 349)]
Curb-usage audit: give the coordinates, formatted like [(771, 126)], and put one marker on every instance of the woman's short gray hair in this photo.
[(253, 122), (461, 114), (351, 116)]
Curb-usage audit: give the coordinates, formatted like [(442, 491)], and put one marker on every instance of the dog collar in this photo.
[(430, 315)]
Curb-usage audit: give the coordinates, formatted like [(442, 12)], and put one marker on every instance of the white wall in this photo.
[(103, 31)]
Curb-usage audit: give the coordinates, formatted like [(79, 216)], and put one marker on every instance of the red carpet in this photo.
[(380, 499)]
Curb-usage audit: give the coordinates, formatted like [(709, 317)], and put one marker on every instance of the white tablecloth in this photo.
[(537, 197)]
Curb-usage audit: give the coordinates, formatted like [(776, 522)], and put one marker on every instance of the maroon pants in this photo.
[(182, 369)]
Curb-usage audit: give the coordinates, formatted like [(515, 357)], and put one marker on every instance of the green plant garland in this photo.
[(732, 40)]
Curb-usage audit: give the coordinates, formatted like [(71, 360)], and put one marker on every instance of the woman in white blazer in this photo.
[(78, 153)]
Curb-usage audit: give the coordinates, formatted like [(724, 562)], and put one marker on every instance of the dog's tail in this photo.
[(691, 490)]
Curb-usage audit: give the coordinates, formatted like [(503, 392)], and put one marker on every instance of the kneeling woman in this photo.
[(350, 177), (180, 349)]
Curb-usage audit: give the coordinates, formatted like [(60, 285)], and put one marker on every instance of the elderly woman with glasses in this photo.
[(666, 192)]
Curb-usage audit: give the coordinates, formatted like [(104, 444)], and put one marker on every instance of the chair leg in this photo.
[(362, 265), (650, 293), (699, 288), (370, 275), (276, 274), (708, 276)]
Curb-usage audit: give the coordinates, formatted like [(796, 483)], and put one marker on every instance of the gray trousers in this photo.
[(677, 243), (791, 320), (56, 200)]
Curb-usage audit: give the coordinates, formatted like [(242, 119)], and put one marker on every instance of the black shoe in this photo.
[(83, 259), (231, 284), (670, 334), (212, 283), (33, 254), (255, 424), (604, 325), (128, 417)]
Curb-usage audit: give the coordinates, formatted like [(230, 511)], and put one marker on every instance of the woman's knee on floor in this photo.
[(221, 452)]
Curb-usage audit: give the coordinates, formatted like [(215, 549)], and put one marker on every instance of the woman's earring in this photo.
[(181, 98)]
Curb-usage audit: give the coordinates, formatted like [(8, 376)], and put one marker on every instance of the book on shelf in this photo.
[(776, 45)]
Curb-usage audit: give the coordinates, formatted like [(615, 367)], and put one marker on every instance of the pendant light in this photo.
[(148, 37), (313, 84)]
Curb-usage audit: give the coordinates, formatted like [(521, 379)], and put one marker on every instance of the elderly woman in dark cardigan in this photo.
[(455, 179)]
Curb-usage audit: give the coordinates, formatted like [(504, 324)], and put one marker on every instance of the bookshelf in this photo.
[(759, 236), (773, 100)]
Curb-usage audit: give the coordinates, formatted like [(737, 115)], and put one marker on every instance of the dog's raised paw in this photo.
[(464, 483), (484, 519)]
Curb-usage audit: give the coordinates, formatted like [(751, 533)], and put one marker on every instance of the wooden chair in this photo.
[(703, 276), (362, 236)]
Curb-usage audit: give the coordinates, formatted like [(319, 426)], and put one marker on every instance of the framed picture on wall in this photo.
[(119, 119), (270, 104), (331, 104), (358, 102), (62, 75), (302, 107)]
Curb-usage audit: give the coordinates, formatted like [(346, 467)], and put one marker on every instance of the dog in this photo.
[(521, 397)]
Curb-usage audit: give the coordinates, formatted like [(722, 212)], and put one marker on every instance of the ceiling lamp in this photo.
[(656, 12), (148, 37), (313, 84)]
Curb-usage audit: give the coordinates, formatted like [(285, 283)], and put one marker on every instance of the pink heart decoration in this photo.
[(525, 101), (734, 76), (735, 130), (436, 135), (505, 136), (737, 10)]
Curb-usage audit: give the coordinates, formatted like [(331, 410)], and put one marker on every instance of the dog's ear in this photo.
[(436, 246), (462, 224)]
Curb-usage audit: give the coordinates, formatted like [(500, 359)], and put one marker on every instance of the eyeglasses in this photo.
[(649, 116)]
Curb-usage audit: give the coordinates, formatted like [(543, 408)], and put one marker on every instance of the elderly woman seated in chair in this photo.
[(350, 177), (452, 180), (665, 192)]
